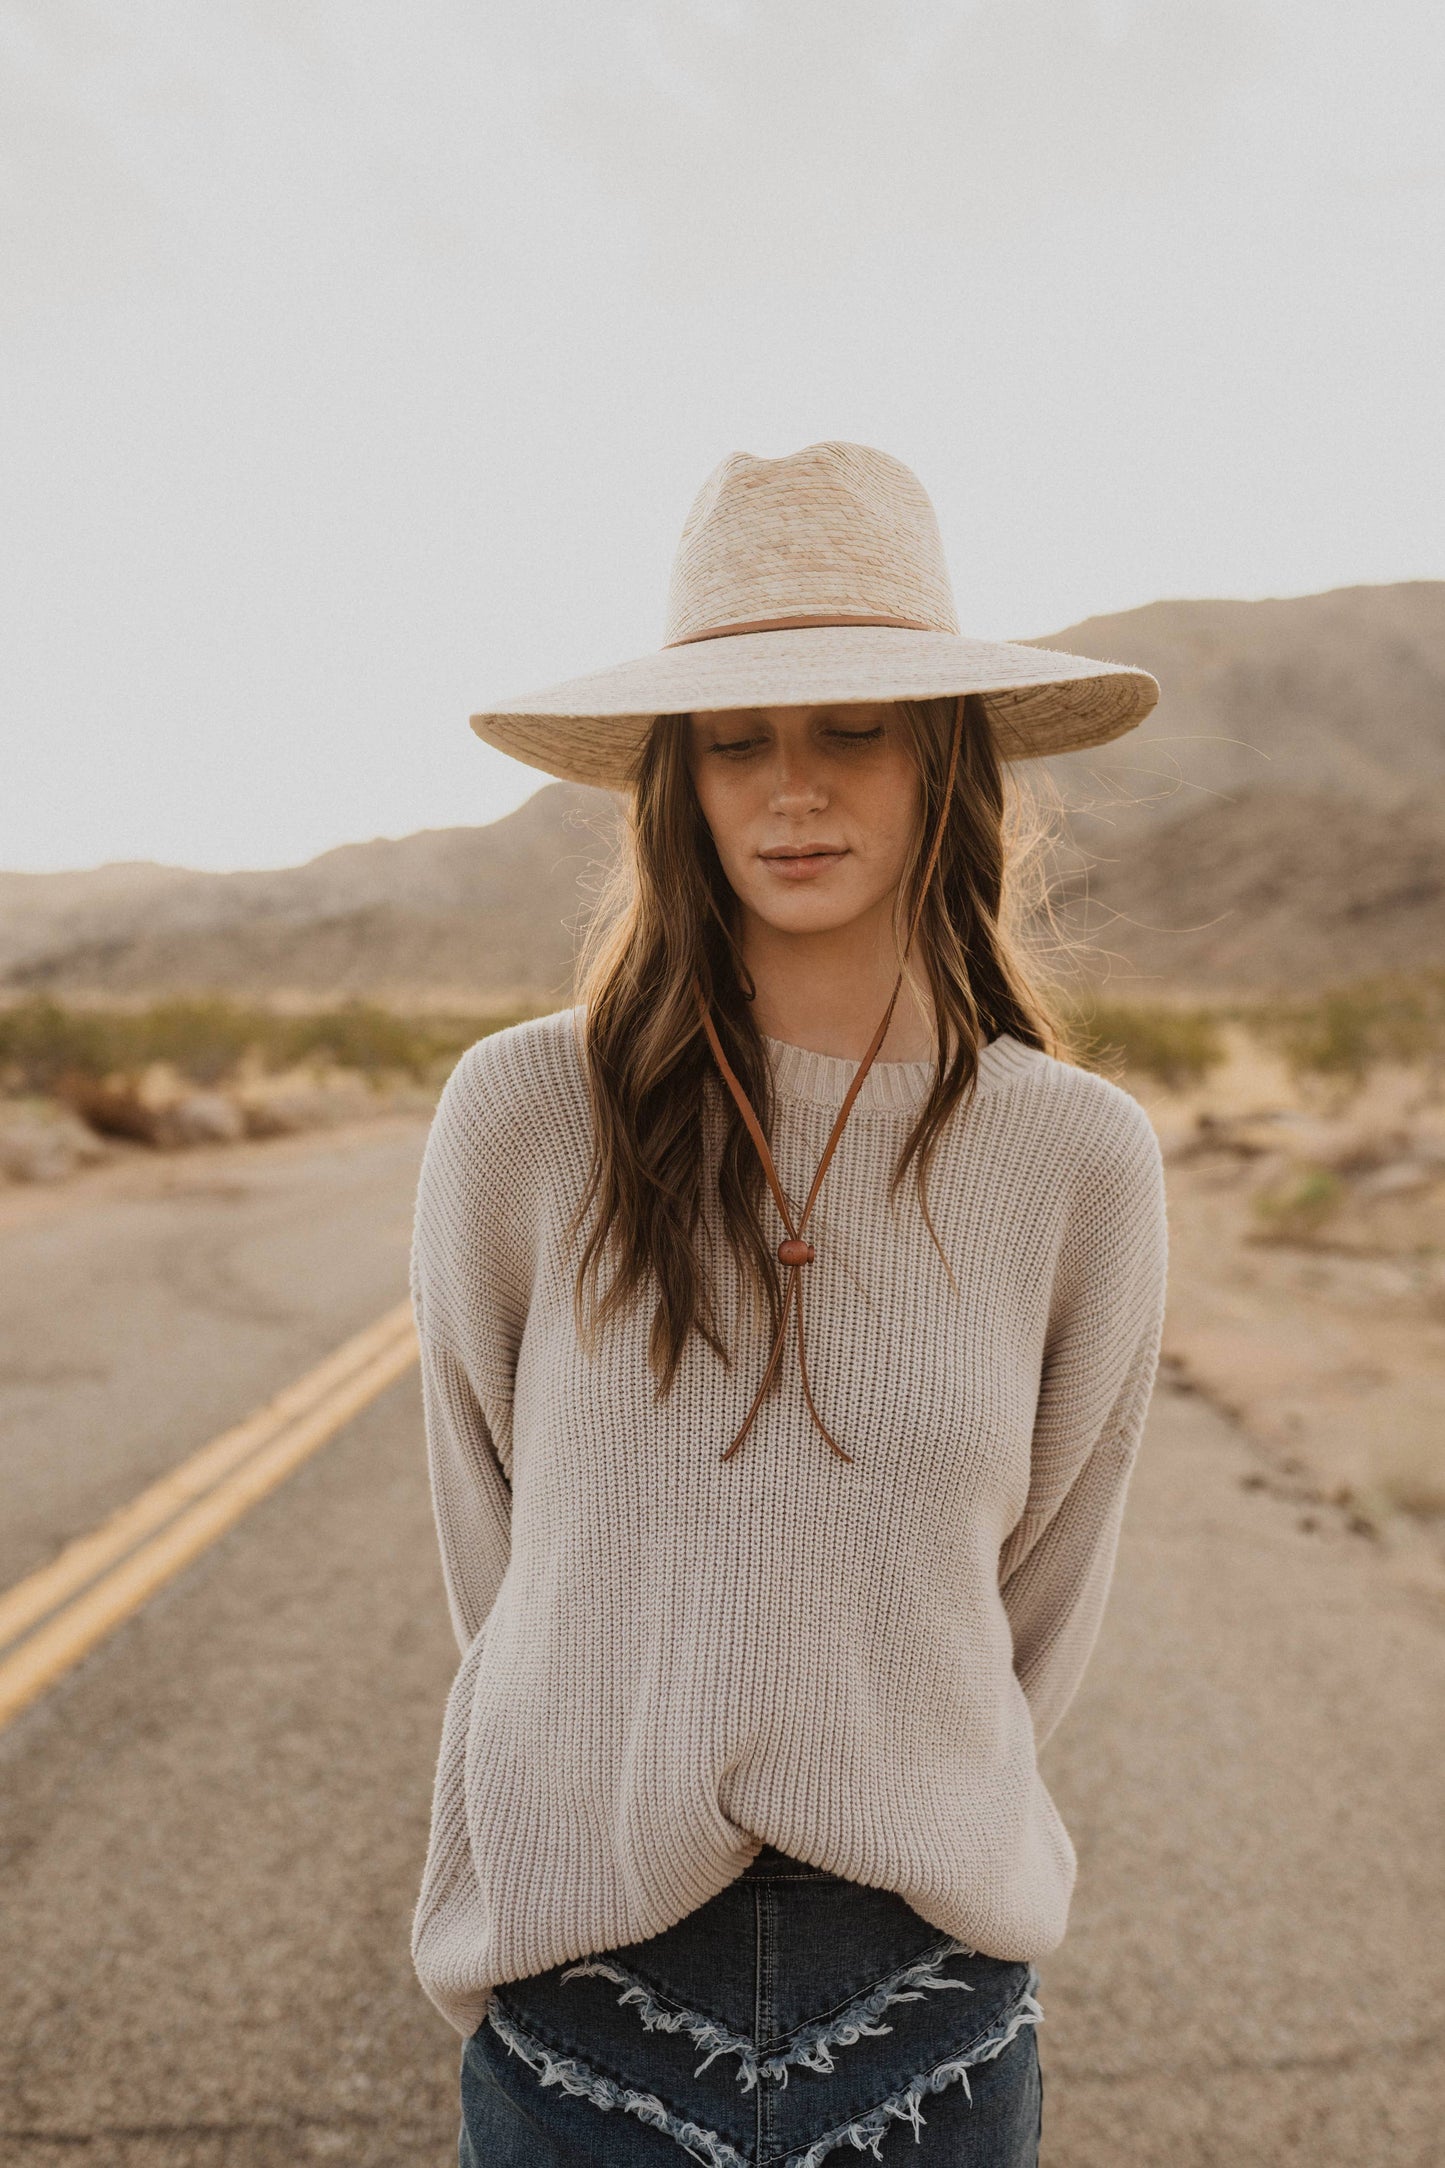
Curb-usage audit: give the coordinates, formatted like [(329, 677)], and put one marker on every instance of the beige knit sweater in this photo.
[(667, 1659)]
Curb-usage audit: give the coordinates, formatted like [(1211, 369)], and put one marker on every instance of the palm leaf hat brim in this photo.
[(818, 578)]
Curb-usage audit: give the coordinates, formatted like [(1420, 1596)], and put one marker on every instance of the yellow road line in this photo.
[(27, 1672), (80, 1561)]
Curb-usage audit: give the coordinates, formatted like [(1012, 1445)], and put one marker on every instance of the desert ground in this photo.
[(1307, 1285)]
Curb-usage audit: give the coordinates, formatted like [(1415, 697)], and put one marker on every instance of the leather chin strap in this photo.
[(795, 1251)]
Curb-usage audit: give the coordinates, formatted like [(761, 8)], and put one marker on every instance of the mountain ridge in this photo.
[(1278, 820)]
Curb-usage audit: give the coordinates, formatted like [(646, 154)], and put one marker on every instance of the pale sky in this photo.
[(360, 361)]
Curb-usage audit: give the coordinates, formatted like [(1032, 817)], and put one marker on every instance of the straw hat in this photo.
[(816, 577)]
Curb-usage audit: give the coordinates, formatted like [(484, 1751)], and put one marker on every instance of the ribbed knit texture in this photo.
[(667, 1658)]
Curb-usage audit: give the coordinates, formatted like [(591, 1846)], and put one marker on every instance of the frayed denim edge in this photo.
[(865, 2134), (869, 2131), (814, 2043), (573, 2077)]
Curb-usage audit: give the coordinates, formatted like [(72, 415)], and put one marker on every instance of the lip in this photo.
[(800, 862)]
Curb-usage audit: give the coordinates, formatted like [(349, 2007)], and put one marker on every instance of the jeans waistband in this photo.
[(771, 1865)]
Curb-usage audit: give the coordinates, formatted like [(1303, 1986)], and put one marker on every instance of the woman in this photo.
[(739, 1847)]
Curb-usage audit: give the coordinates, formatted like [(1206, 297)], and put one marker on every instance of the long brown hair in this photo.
[(667, 911)]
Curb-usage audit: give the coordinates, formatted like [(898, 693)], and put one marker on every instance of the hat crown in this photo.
[(835, 534)]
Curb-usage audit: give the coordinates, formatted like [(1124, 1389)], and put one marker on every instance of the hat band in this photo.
[(786, 624)]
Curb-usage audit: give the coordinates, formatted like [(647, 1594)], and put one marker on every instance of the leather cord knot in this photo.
[(794, 1251)]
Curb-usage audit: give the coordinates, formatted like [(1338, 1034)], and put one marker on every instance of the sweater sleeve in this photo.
[(1100, 1358), (471, 1494), (471, 1275)]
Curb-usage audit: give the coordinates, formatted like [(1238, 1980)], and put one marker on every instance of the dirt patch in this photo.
[(1307, 1284)]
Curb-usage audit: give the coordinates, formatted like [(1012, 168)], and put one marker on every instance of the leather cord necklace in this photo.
[(795, 1251)]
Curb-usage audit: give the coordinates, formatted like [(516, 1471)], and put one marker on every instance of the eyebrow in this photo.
[(860, 711)]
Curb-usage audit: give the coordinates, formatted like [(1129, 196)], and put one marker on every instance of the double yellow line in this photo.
[(101, 1578)]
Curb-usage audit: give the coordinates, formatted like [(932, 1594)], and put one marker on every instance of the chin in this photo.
[(808, 914)]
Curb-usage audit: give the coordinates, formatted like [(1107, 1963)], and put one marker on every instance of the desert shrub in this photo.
[(1179, 1047), (1297, 1207), (207, 1037), (1342, 1032), (41, 1041), (363, 1036), (204, 1038)]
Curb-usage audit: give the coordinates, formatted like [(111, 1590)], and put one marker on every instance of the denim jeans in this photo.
[(793, 2017)]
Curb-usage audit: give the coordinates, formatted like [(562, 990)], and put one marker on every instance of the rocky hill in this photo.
[(1278, 822), (449, 917)]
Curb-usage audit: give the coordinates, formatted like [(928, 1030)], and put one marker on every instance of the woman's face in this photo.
[(813, 809)]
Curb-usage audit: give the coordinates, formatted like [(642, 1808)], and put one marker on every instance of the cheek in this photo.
[(885, 807), (727, 808)]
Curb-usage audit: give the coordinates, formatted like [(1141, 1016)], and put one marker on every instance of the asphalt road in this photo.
[(213, 1829)]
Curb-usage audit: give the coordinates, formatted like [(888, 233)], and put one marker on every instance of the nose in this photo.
[(796, 784)]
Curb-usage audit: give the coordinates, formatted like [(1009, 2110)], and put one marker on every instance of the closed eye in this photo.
[(739, 746)]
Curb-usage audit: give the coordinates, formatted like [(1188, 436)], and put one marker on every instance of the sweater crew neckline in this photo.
[(890, 1086)]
